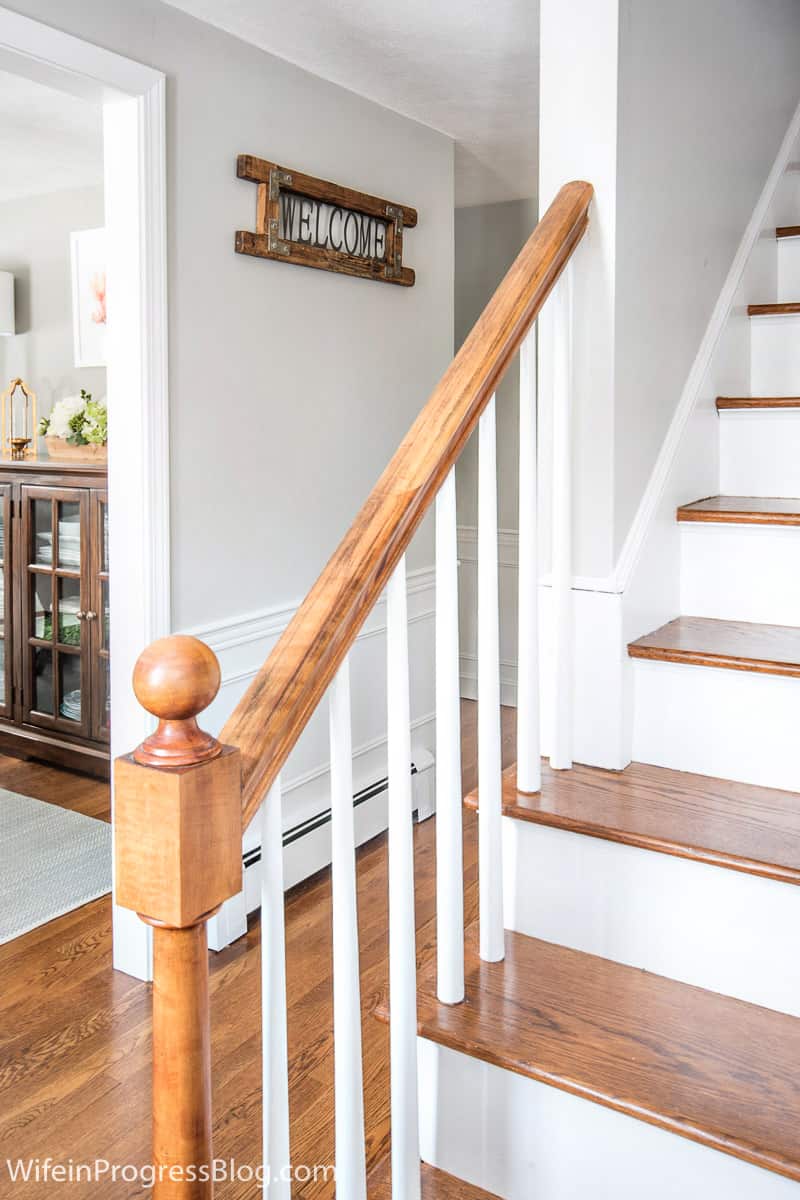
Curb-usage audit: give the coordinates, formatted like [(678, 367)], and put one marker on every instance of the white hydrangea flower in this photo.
[(63, 412)]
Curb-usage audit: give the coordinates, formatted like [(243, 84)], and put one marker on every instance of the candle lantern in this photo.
[(18, 420)]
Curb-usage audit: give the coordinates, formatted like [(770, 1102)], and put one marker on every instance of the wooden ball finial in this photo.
[(175, 678)]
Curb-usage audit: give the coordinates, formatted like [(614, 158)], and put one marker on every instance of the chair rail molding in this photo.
[(133, 100)]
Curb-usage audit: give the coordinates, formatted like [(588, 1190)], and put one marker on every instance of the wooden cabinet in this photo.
[(54, 613)]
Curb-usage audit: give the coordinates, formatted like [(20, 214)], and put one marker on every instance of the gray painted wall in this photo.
[(34, 246), (488, 238), (706, 92), (289, 388)]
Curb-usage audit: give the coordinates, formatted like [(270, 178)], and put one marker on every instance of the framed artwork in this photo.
[(88, 251)]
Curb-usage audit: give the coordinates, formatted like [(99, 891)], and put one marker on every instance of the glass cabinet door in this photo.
[(6, 582), (55, 585), (101, 621)]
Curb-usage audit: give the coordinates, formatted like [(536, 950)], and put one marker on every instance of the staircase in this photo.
[(622, 1020), (641, 1035)]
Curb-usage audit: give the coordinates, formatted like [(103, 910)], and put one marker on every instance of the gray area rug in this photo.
[(51, 861)]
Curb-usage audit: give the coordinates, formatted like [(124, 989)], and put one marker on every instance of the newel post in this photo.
[(178, 852)]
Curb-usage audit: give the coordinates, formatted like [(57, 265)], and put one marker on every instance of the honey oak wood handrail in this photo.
[(272, 714)]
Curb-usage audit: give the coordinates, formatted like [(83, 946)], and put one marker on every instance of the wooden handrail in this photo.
[(272, 714)]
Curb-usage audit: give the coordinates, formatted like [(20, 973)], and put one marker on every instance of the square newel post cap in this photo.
[(177, 798)]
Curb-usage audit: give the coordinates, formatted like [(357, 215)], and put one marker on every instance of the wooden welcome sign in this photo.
[(314, 223)]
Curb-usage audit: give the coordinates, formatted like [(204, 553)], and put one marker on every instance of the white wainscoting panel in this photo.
[(243, 644)]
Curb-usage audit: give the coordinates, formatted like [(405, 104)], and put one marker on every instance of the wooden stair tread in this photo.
[(436, 1185), (787, 231), (716, 1070), (773, 310), (716, 821), (736, 645), (748, 402), (743, 510)]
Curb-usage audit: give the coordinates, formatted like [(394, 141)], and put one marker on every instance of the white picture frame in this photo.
[(88, 255)]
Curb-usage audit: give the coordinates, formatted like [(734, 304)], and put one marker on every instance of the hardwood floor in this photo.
[(75, 1036), (67, 789)]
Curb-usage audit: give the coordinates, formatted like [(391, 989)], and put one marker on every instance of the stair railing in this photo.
[(183, 798)]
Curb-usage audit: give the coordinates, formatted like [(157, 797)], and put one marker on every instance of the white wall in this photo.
[(34, 246), (289, 388), (488, 237), (706, 92)]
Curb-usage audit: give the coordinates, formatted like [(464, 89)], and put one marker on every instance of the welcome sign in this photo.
[(315, 223)]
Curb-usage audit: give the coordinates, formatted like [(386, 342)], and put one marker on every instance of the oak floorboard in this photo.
[(436, 1185), (67, 789)]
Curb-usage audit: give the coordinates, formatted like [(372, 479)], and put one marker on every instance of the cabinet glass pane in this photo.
[(42, 512), (105, 537), (69, 534), (105, 617), (2, 671), (43, 680), (69, 604), (42, 595), (2, 530), (105, 693), (69, 671), (2, 602)]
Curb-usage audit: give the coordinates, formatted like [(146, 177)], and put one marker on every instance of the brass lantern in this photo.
[(18, 420)]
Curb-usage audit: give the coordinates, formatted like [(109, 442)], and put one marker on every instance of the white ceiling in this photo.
[(49, 141), (469, 68)]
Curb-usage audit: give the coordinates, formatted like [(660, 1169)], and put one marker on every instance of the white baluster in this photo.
[(529, 763), (449, 797), (561, 751), (274, 1049), (351, 1172), (490, 783), (402, 929)]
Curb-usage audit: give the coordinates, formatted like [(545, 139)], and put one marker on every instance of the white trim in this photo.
[(268, 624), (648, 507), (508, 559), (134, 117)]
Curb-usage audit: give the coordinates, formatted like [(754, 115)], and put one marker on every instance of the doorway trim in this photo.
[(133, 98)]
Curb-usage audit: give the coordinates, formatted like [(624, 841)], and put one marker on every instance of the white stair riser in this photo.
[(524, 1140), (712, 721), (741, 572), (759, 452), (705, 925), (788, 270), (775, 356)]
